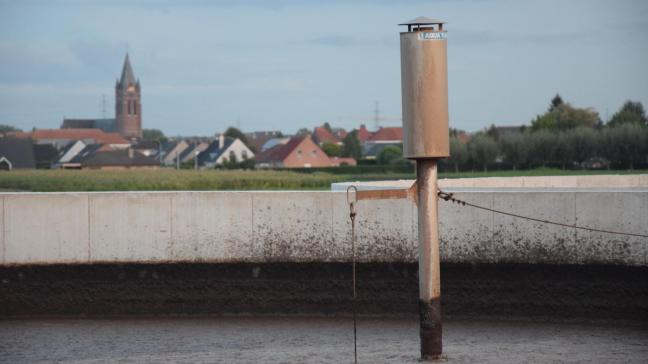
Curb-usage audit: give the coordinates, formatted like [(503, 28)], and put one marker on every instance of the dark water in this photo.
[(310, 340)]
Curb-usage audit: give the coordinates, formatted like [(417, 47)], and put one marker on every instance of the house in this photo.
[(272, 142), (363, 134), (66, 154), (62, 137), (342, 161), (149, 148), (16, 154), (223, 150), (173, 151), (298, 152), (107, 125), (100, 156), (390, 135), (45, 155), (257, 139), (322, 135), (192, 151), (375, 149)]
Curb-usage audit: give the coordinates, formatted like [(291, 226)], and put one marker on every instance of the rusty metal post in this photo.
[(429, 260), (424, 82)]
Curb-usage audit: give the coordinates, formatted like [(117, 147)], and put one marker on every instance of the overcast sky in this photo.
[(287, 64)]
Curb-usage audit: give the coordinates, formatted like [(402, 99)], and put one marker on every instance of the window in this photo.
[(244, 154), (232, 155), (134, 107), (129, 107), (314, 152)]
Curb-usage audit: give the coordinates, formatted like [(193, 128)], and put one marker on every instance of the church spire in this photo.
[(127, 76)]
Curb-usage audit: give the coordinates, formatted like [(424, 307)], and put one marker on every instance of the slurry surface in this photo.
[(310, 340)]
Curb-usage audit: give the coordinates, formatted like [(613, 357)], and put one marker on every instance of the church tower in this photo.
[(128, 104)]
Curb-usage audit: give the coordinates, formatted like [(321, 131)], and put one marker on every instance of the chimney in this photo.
[(221, 140)]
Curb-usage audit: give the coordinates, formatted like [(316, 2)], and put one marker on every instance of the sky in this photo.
[(287, 64)]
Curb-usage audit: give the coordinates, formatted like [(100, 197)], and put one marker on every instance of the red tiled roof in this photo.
[(322, 135), (363, 134), (388, 134), (98, 135), (280, 151)]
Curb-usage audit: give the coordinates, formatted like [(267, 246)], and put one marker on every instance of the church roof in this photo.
[(127, 76)]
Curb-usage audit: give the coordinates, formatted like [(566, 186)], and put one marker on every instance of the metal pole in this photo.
[(429, 260)]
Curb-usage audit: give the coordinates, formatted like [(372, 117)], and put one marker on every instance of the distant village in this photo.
[(564, 136), (120, 143)]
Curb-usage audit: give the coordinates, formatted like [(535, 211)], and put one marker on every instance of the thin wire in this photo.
[(450, 197), (353, 303), (352, 215)]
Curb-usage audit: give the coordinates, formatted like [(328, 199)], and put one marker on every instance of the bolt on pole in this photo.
[(424, 83)]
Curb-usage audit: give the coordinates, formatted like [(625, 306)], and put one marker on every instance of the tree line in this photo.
[(564, 136)]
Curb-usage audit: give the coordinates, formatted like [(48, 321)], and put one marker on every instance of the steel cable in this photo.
[(450, 197)]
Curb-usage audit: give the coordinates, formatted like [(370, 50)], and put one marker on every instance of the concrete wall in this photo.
[(43, 228), (582, 182)]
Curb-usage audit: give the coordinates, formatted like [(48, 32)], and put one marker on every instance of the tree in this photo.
[(458, 153), (389, 155), (352, 147), (630, 112), (302, 132), (153, 134), (327, 126), (581, 144), (483, 150), (555, 102), (542, 147), (565, 117), (4, 128), (332, 149), (235, 133), (515, 148), (626, 144)]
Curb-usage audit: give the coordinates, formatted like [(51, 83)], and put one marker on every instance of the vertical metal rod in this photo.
[(429, 260), (353, 248)]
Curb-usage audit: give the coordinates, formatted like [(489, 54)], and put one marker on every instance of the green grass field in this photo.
[(189, 180)]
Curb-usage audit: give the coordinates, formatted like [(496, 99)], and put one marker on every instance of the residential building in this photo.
[(298, 152), (256, 139), (16, 153), (97, 156), (60, 138), (192, 151), (363, 134), (149, 148), (68, 153), (342, 161), (173, 150), (272, 142), (107, 125), (322, 135), (45, 155), (223, 150), (375, 149), (389, 135)]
